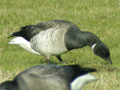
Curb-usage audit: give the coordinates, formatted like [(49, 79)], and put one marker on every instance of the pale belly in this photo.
[(49, 42)]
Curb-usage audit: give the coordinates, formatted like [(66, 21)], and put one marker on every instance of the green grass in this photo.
[(102, 17)]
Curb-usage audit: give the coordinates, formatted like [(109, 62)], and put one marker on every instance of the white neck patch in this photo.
[(80, 81), (93, 46)]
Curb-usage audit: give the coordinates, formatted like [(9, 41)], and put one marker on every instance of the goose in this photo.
[(50, 77), (58, 36)]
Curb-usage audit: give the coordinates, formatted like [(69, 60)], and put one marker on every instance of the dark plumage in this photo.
[(47, 77), (58, 36)]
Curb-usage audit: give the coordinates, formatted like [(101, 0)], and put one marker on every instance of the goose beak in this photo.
[(108, 59)]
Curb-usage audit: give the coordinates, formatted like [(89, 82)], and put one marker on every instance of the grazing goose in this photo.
[(50, 77), (58, 36)]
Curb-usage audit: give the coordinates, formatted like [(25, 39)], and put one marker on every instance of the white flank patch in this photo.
[(20, 41), (93, 46), (50, 42)]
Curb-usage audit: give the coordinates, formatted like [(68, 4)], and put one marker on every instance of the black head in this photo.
[(8, 85), (102, 50)]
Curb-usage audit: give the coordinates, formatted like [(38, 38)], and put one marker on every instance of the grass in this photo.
[(102, 17)]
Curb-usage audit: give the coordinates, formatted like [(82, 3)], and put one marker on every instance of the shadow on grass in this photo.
[(105, 68)]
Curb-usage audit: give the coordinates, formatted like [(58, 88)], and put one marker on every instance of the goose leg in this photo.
[(59, 58), (47, 59)]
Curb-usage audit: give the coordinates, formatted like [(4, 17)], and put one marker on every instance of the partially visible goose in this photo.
[(50, 77), (58, 36)]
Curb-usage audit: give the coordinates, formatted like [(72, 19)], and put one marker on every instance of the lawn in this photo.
[(101, 17)]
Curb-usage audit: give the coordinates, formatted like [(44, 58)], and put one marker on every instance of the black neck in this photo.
[(89, 38), (80, 39), (78, 71)]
